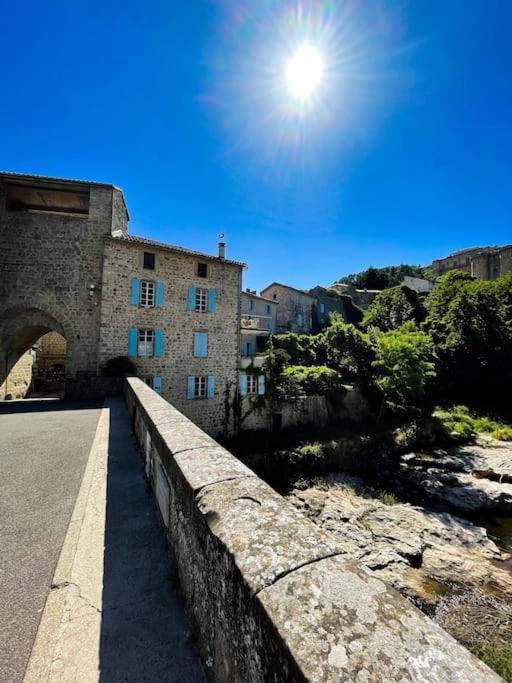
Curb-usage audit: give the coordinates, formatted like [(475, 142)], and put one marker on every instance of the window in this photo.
[(146, 343), (252, 384), (268, 309), (274, 296), (149, 260), (202, 270), (200, 387), (201, 300), (322, 308), (147, 293), (201, 344)]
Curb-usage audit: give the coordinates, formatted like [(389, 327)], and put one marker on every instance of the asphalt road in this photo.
[(44, 447)]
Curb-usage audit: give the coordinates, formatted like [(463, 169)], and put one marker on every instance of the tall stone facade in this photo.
[(51, 258), (69, 266), (484, 263), (194, 343), (295, 309)]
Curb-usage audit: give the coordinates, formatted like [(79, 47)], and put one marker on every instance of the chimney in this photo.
[(222, 246)]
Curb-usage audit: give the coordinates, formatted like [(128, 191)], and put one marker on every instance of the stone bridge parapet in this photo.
[(269, 595)]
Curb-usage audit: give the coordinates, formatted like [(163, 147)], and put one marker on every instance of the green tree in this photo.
[(381, 278), (349, 352), (301, 348), (316, 380), (393, 307), (279, 387), (469, 323), (404, 366)]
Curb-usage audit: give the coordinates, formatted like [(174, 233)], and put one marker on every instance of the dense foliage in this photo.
[(382, 278), (455, 342), (404, 365), (470, 324), (393, 308), (316, 380)]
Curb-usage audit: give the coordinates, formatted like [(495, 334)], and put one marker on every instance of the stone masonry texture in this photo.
[(269, 595)]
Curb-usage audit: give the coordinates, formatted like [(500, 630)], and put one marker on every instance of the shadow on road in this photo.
[(45, 405), (144, 631)]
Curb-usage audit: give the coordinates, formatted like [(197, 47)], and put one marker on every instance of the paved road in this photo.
[(43, 452)]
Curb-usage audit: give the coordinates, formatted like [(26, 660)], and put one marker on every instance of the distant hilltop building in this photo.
[(484, 263)]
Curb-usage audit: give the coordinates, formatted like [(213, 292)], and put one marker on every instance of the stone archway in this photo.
[(19, 331)]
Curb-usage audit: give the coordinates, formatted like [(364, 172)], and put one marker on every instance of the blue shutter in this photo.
[(243, 385), (201, 344), (135, 296), (248, 349), (190, 386), (211, 386), (159, 343), (157, 384), (132, 342), (159, 295), (322, 308), (191, 301), (211, 300), (261, 384)]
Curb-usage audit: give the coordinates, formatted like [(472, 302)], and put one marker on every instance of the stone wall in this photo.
[(123, 261), (269, 595), (18, 381), (49, 261)]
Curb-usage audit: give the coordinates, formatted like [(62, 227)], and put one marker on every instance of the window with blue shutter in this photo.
[(132, 342), (211, 300), (190, 386), (268, 309), (322, 308), (191, 300), (261, 385), (157, 384), (159, 295), (135, 292), (211, 386), (243, 385), (201, 344), (159, 343)]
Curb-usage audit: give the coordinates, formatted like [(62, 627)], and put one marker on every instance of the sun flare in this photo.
[(304, 72)]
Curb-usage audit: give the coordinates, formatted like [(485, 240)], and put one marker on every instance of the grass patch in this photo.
[(459, 419), (498, 657), (387, 498)]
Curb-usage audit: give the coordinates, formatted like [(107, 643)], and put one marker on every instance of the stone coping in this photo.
[(269, 594)]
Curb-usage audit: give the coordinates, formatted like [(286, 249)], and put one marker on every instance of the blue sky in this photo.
[(404, 153)]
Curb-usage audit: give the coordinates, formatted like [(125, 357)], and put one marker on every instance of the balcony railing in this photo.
[(257, 322)]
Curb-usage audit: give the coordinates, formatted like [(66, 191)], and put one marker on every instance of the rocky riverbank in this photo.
[(423, 554)]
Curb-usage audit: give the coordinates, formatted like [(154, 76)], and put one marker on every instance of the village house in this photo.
[(295, 310), (258, 322), (70, 266)]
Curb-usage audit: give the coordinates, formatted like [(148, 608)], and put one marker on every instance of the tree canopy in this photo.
[(382, 278), (393, 307)]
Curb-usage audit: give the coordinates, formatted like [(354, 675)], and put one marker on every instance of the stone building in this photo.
[(176, 314), (484, 263), (69, 266), (295, 310), (326, 302)]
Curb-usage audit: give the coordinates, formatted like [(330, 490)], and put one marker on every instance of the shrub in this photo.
[(301, 348), (316, 380), (502, 433)]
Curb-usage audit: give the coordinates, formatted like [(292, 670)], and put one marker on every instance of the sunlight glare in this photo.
[(304, 72)]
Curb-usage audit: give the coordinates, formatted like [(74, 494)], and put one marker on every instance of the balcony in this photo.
[(256, 323)]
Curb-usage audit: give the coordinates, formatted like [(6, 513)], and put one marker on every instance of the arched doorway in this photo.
[(22, 334)]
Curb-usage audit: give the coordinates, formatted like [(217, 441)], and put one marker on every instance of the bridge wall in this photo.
[(270, 595)]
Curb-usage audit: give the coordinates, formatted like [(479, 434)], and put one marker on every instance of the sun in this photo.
[(304, 72)]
